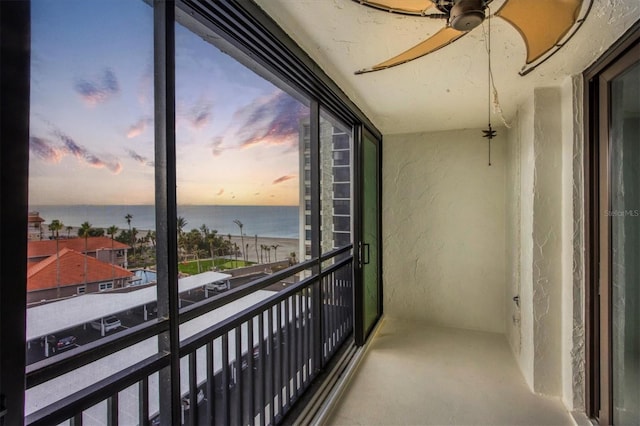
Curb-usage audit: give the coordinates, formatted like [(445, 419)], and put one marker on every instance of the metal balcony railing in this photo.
[(249, 368)]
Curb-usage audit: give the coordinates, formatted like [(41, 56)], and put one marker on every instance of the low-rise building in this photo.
[(102, 248), (72, 273), (34, 226)]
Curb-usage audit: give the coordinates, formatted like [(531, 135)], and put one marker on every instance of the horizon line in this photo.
[(180, 205)]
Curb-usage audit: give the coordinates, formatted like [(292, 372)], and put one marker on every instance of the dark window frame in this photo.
[(15, 30), (245, 26), (598, 398)]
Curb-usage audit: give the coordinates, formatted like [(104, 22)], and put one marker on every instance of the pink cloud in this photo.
[(139, 127), (269, 120), (99, 89), (283, 179), (45, 150)]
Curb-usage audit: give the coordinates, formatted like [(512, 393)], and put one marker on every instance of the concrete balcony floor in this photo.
[(419, 374)]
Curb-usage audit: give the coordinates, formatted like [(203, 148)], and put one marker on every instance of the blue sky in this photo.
[(92, 114)]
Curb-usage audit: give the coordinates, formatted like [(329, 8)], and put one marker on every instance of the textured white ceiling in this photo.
[(448, 88)]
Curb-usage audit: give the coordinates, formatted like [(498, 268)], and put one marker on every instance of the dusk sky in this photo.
[(92, 114)]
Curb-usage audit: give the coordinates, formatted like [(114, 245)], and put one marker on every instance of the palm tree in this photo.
[(240, 225), (69, 229), (205, 236), (84, 232), (152, 238), (133, 236), (128, 218), (54, 227), (235, 252), (112, 231), (192, 242), (181, 223), (211, 239), (275, 251), (257, 257)]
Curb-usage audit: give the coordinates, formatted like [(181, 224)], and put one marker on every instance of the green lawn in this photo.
[(191, 267)]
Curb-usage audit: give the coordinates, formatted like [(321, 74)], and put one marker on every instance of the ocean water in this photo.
[(264, 221)]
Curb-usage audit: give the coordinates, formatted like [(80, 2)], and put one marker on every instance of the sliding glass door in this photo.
[(614, 216), (369, 287), (621, 85)]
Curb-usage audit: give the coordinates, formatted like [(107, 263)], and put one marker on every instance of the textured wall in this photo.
[(444, 229), (547, 241), (573, 355), (524, 133), (512, 242), (548, 339)]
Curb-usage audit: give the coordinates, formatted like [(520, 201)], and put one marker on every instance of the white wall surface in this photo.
[(539, 134), (547, 341), (512, 238), (573, 356), (547, 241), (524, 134), (444, 229)]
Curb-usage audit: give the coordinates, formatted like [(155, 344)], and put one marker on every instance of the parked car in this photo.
[(222, 285), (110, 323), (65, 342), (58, 344)]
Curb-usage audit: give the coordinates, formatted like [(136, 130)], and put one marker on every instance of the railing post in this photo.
[(316, 314)]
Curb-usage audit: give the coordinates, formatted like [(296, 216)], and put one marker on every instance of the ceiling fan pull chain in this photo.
[(489, 74), (489, 133), (489, 151)]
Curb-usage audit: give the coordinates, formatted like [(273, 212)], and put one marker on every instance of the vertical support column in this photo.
[(547, 242), (314, 130), (166, 216), (15, 33), (540, 135), (314, 133)]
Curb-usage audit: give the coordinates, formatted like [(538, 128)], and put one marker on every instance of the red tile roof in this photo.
[(48, 247), (35, 218), (42, 275)]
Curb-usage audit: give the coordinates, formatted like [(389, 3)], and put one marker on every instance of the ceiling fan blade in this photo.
[(543, 24), (411, 7), (440, 39)]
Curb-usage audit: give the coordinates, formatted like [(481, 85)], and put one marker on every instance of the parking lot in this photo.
[(85, 334)]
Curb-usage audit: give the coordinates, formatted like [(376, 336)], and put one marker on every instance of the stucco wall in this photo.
[(573, 356), (522, 134), (444, 229), (547, 241), (512, 238), (548, 340)]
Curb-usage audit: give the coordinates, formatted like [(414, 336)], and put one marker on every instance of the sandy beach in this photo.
[(285, 245)]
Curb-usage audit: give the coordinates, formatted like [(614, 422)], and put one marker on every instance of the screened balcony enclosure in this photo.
[(229, 201), (226, 224)]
